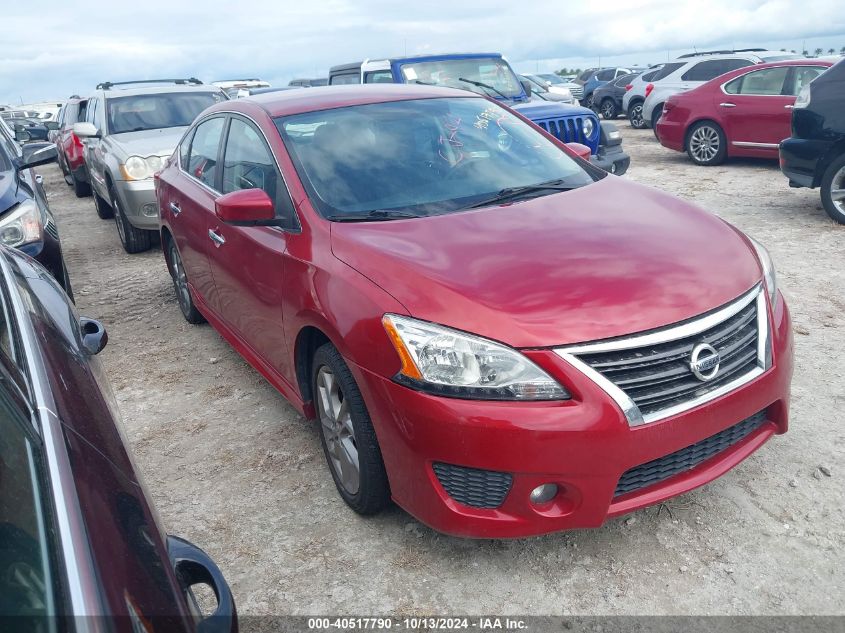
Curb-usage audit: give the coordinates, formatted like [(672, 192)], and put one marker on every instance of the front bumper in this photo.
[(138, 201), (583, 445), (611, 158), (799, 159)]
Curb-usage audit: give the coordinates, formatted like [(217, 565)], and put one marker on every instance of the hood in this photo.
[(537, 110), (605, 260), (160, 142)]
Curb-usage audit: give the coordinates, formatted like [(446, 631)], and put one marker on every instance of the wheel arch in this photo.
[(834, 151), (309, 338)]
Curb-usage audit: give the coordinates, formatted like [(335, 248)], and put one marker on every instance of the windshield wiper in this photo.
[(481, 84), (510, 193), (372, 216)]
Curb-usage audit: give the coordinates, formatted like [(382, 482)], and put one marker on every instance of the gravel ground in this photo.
[(234, 468)]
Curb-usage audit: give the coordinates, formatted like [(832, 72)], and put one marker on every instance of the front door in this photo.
[(247, 262)]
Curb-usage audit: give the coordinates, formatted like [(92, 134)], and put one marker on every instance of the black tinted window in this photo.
[(157, 111), (341, 80), (202, 161), (623, 81), (667, 70), (605, 75), (379, 77), (707, 70)]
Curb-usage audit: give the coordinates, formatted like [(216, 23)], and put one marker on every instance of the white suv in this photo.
[(698, 68)]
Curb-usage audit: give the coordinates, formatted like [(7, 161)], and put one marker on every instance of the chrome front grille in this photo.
[(51, 228), (578, 92), (651, 375)]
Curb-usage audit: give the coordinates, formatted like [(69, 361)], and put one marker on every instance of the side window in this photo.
[(60, 117), (378, 77), (26, 578), (249, 164), (185, 149), (707, 70), (89, 110), (81, 111), (202, 161), (97, 115), (605, 75), (349, 78), (761, 82), (802, 76)]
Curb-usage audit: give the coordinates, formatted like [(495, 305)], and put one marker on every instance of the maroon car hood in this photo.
[(605, 260)]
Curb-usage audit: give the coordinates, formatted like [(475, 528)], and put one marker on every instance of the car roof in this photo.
[(326, 98), (156, 90)]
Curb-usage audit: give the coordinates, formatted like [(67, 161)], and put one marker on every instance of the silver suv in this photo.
[(692, 70), (130, 129)]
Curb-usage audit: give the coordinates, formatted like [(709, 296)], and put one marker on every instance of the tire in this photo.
[(706, 144), (346, 428), (104, 211), (81, 189), (635, 115), (180, 284), (134, 240), (833, 190), (588, 101), (608, 109), (655, 117)]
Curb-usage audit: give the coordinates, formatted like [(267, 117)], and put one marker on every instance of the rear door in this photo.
[(247, 262), (186, 201), (93, 152), (756, 110)]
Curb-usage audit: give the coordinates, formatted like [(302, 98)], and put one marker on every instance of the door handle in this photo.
[(789, 106), (218, 239), (727, 105), (174, 206)]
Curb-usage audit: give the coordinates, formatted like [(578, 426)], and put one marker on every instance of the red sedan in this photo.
[(491, 332), (745, 112)]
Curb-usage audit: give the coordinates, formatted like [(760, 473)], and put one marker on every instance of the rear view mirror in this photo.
[(245, 207), (84, 129), (581, 150), (35, 154)]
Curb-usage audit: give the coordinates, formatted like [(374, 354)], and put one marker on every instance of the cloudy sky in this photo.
[(54, 48)]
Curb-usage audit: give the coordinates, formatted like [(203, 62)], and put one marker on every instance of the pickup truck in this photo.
[(491, 75)]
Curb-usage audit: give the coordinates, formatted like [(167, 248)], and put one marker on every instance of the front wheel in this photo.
[(706, 144), (347, 435), (608, 109), (635, 115), (833, 190), (134, 240)]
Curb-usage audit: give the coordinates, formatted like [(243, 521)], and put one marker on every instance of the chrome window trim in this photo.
[(216, 193), (630, 410), (754, 68), (72, 536)]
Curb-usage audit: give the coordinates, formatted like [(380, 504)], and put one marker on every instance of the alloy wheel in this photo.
[(636, 116), (837, 190), (180, 280), (608, 110), (704, 144), (338, 430)]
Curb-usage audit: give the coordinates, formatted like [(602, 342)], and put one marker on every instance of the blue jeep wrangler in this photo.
[(490, 74)]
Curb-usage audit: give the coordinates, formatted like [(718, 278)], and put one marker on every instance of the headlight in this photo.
[(22, 225), (768, 269), (450, 363), (137, 168), (588, 127)]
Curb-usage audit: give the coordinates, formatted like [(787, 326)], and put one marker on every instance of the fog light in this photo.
[(150, 210), (543, 494)]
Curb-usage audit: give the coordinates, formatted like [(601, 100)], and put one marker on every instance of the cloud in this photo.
[(58, 47)]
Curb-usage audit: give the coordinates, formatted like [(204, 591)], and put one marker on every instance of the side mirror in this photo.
[(526, 86), (245, 207), (94, 335), (35, 154), (84, 129), (51, 125), (582, 151)]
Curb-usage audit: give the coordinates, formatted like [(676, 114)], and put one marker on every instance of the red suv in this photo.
[(69, 146), (745, 112), (491, 332)]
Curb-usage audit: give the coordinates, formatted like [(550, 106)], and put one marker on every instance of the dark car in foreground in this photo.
[(80, 546), (745, 112), (26, 222), (814, 155), (492, 332)]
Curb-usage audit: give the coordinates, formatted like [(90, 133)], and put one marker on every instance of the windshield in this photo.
[(421, 157), (552, 78), (494, 72), (156, 111)]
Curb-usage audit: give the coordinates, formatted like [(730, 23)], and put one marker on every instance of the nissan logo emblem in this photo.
[(704, 362)]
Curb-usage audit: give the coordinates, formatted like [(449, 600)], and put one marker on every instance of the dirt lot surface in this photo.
[(233, 468)]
